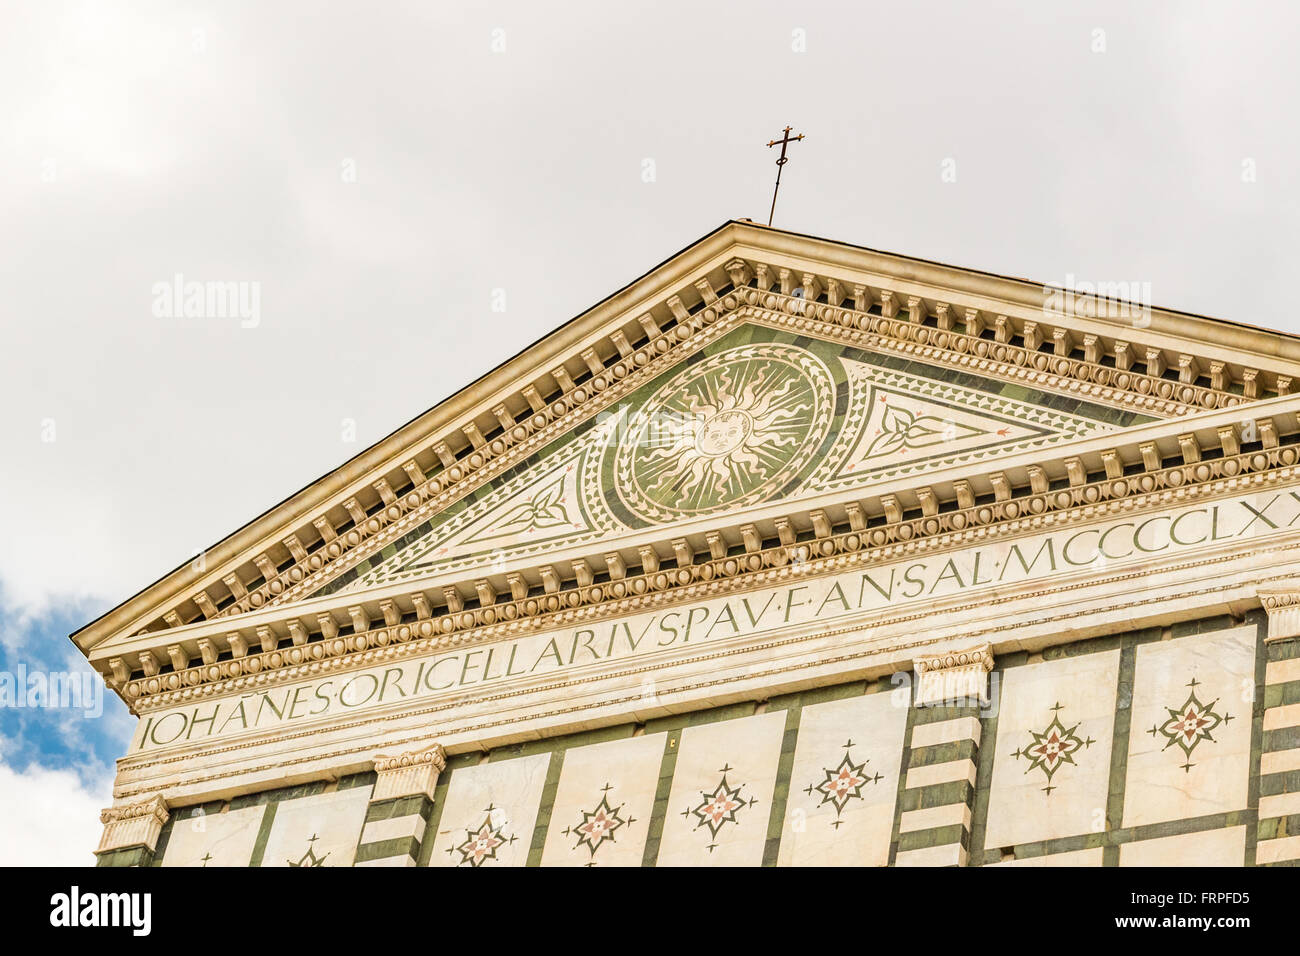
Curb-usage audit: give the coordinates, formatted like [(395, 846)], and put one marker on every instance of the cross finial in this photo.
[(785, 140)]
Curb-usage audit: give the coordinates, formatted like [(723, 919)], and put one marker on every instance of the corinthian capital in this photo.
[(408, 774)]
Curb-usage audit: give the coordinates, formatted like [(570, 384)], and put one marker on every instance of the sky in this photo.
[(382, 178)]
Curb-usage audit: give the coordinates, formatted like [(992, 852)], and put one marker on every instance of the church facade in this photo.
[(788, 553)]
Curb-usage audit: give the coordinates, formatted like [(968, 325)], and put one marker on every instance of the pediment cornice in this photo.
[(1200, 458), (739, 273)]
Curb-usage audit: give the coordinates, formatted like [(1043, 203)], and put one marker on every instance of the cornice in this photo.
[(1214, 336), (1211, 461), (469, 729), (998, 360), (298, 512), (648, 326)]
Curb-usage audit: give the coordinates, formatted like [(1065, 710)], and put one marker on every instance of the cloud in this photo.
[(61, 715), (49, 811), (49, 817), (380, 177)]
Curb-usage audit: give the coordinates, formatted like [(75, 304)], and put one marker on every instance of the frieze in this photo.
[(162, 759), (811, 603), (869, 546)]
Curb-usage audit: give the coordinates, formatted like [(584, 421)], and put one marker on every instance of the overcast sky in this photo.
[(381, 171)]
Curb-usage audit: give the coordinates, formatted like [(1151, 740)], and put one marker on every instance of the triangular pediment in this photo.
[(754, 369), (758, 416)]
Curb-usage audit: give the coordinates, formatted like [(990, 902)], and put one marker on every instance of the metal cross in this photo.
[(785, 140)]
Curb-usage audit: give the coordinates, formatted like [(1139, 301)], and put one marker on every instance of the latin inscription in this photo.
[(818, 600)]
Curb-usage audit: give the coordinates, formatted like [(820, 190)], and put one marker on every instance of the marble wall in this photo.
[(1142, 749)]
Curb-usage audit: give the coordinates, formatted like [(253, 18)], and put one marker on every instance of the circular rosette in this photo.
[(732, 430)]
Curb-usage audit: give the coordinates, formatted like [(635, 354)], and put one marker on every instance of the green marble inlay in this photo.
[(386, 849), (903, 763), (126, 856), (263, 834), (939, 836), (1260, 619), (667, 766), (399, 807), (781, 792), (546, 807), (454, 763)]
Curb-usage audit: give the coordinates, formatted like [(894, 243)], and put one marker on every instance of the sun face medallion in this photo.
[(728, 431)]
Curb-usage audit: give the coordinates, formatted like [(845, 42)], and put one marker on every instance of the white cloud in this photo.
[(49, 817), (162, 138)]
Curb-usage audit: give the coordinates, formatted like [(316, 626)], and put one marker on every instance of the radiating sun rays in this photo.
[(722, 432)]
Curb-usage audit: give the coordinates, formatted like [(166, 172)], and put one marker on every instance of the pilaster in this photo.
[(939, 783), (1283, 607), (1278, 833), (400, 807), (955, 676), (131, 832)]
